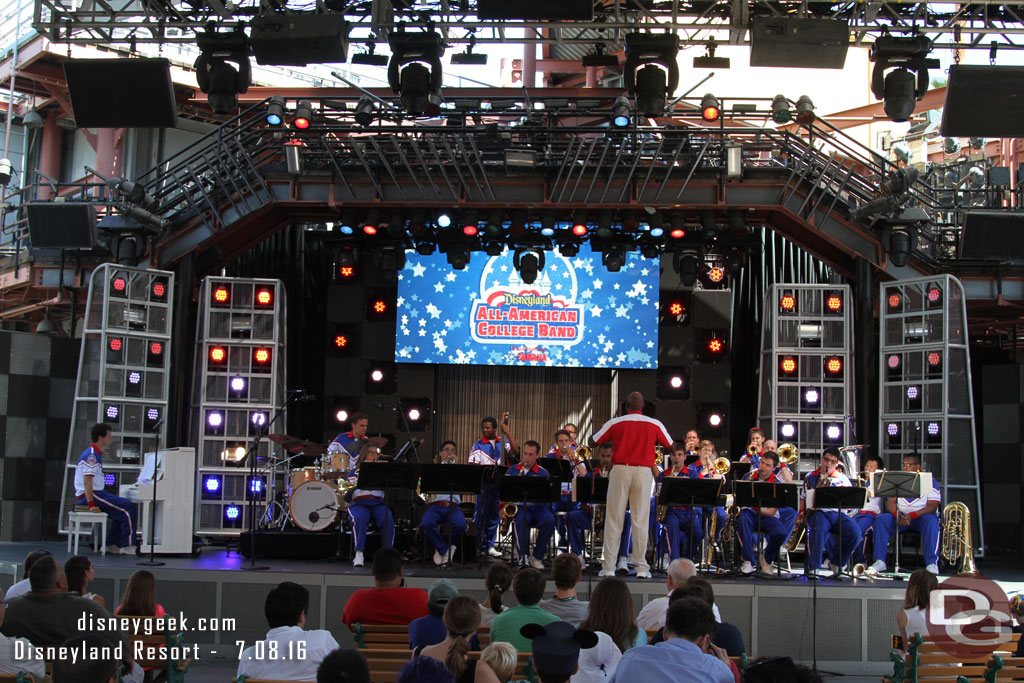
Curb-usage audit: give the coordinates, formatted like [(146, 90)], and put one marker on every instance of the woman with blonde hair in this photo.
[(503, 658), (913, 616), (140, 597), (611, 612), (461, 619)]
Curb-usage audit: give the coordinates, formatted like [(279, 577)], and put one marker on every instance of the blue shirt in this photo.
[(430, 630), (90, 463), (676, 660), (487, 452), (346, 443)]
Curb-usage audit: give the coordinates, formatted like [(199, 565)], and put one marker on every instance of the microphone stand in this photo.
[(151, 562), (251, 454), (397, 409)]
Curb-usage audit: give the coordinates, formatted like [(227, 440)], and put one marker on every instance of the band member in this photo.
[(677, 519), (565, 449), (633, 437), (532, 515), (366, 506), (773, 525), (918, 514), (705, 469), (783, 472), (89, 491), (865, 518), (486, 452), (755, 447), (579, 519), (572, 429), (691, 441), (444, 508), (822, 523), (350, 443)]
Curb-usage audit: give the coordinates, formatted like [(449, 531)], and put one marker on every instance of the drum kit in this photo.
[(316, 495)]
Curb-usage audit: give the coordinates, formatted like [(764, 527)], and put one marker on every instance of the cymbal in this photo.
[(285, 440), (378, 441), (293, 444)]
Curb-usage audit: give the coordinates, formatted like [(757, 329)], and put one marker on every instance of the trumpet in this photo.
[(788, 455), (508, 513), (753, 450), (721, 466)]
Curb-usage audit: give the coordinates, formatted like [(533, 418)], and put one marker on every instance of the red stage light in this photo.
[(116, 344), (301, 122), (934, 358), (788, 364), (834, 365), (579, 230), (120, 284), (346, 271), (675, 308), (159, 289), (156, 348), (715, 345), (469, 230), (261, 356), (934, 294), (370, 229), (220, 295), (834, 303), (894, 361), (788, 302), (711, 113), (341, 341), (218, 354), (894, 301), (678, 233), (264, 297), (716, 274), (379, 306)]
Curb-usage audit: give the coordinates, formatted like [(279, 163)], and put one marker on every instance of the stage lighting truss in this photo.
[(900, 75), (414, 71), (651, 72)]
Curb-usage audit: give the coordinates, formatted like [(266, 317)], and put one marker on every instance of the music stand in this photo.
[(525, 489), (388, 476), (592, 490), (761, 494), (737, 470), (899, 484), (450, 479), (836, 498), (689, 492)]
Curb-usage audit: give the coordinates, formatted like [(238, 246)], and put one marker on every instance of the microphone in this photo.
[(305, 398), (156, 425), (314, 516)]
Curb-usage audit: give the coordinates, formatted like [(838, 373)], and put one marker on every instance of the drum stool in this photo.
[(81, 515)]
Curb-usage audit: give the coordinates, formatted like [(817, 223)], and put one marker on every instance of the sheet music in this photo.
[(150, 463)]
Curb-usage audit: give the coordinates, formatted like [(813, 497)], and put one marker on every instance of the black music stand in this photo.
[(593, 491), (450, 479), (691, 458), (897, 484), (737, 470), (692, 493), (388, 476), (526, 489), (765, 495), (838, 498)]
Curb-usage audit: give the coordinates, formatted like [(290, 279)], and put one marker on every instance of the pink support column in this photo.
[(106, 139), (49, 158), (591, 76), (529, 65)]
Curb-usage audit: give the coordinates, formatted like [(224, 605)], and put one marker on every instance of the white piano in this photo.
[(175, 470)]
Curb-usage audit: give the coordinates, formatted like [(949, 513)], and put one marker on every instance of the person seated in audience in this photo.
[(652, 616), (101, 667), (556, 649), (461, 620), (282, 656), (611, 612), (389, 601), (80, 574), (566, 571), (502, 658), (687, 654), (497, 581), (10, 663), (22, 587), (727, 636), (913, 616), (49, 614), (343, 666), (528, 587), (140, 597), (773, 669), (430, 630), (424, 670), (597, 664)]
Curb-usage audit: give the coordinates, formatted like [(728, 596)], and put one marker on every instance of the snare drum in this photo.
[(311, 506), (300, 476), (337, 462)]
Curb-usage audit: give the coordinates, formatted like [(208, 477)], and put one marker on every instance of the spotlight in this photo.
[(416, 410), (342, 408), (155, 355), (620, 112), (674, 382), (805, 115), (710, 109), (112, 412), (898, 246), (380, 378), (345, 265), (934, 295), (233, 514), (258, 422), (834, 432), (658, 78), (894, 301), (470, 223), (119, 286), (158, 292), (218, 356), (568, 246), (458, 256), (275, 110), (712, 346), (613, 258), (950, 146), (264, 298), (371, 223), (892, 429), (221, 296), (303, 115), (674, 308), (211, 485), (781, 113), (787, 430), (261, 359), (834, 367), (900, 88), (214, 423), (222, 69), (528, 263), (833, 303), (364, 111), (686, 266), (788, 366), (712, 417), (415, 83)]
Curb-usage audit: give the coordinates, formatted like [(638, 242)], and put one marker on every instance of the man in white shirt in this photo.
[(652, 616), (289, 652), (917, 514), (8, 663)]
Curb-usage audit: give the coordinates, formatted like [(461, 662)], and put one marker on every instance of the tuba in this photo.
[(849, 461), (956, 537), (789, 455)]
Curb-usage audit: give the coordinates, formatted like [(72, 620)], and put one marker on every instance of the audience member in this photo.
[(598, 664), (566, 570), (140, 597), (22, 587), (389, 601), (80, 574), (611, 612), (101, 666), (502, 658), (424, 670), (687, 655), (528, 587), (556, 649), (498, 580), (913, 616), (430, 630), (779, 670), (286, 608), (653, 613), (727, 636), (461, 620), (343, 666), (9, 663)]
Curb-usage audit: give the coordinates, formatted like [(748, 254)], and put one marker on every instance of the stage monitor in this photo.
[(993, 236), (121, 93), (576, 313), (984, 101), (62, 225)]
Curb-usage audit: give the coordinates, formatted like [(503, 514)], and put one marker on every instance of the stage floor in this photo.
[(853, 619)]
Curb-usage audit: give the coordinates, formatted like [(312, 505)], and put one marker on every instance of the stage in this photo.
[(853, 619)]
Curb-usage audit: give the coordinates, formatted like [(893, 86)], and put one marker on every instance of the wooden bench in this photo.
[(20, 677), (926, 661), (391, 636), (155, 646)]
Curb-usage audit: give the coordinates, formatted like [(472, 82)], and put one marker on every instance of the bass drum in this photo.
[(313, 506)]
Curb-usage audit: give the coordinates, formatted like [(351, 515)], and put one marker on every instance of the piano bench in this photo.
[(76, 519)]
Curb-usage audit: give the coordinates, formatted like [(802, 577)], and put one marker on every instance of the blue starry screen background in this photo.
[(576, 314)]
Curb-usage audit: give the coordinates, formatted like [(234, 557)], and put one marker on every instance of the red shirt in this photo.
[(633, 437), (385, 606)]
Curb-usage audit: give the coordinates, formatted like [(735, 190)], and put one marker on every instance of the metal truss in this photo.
[(969, 25)]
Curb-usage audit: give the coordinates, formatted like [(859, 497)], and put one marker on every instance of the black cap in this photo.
[(556, 647)]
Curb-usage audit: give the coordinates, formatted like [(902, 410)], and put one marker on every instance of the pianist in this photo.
[(89, 492)]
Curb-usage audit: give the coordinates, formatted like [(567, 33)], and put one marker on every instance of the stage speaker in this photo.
[(799, 43), (984, 101), (299, 39), (121, 93), (540, 10), (62, 226), (993, 236)]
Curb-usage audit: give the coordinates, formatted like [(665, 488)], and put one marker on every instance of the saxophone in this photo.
[(729, 532), (509, 510), (709, 554), (800, 525)]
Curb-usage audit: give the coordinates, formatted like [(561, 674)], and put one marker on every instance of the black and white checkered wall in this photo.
[(1002, 453)]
